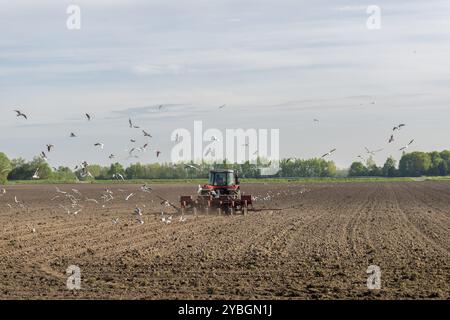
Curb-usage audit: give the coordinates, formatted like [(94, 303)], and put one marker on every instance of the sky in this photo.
[(274, 64)]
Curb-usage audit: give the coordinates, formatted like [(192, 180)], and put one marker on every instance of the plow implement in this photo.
[(223, 204)]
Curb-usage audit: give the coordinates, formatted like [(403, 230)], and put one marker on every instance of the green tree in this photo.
[(390, 167), (414, 164), (5, 167), (95, 170), (357, 169), (115, 168), (64, 174)]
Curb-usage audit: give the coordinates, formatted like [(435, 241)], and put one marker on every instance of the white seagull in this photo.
[(99, 144), (329, 153), (407, 146), (20, 114)]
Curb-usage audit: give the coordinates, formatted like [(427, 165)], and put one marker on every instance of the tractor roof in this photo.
[(222, 170)]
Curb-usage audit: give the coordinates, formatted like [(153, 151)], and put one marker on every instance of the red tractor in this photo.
[(222, 193)]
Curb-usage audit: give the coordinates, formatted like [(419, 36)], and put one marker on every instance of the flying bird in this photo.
[(49, 147), (146, 134), (88, 116), (158, 153), (44, 156), (118, 176), (208, 152), (138, 211), (72, 135), (391, 139), (99, 144), (111, 156), (36, 174), (407, 146), (222, 106), (329, 153), (21, 114), (129, 196), (191, 166), (399, 127)]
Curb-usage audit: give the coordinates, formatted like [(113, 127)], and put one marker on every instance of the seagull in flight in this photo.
[(399, 127), (391, 139), (138, 211), (88, 116), (131, 124), (20, 114), (72, 135), (99, 144), (44, 156), (329, 153), (407, 146), (222, 106), (111, 156), (191, 166), (49, 147), (158, 153), (36, 174), (146, 134), (208, 152), (118, 176)]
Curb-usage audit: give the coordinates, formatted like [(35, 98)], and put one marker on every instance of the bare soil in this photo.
[(318, 246)]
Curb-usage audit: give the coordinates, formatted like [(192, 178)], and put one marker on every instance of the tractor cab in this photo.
[(222, 182), (223, 178)]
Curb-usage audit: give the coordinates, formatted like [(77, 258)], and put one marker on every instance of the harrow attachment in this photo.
[(222, 204)]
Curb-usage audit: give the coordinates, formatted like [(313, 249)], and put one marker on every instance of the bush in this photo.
[(5, 168)]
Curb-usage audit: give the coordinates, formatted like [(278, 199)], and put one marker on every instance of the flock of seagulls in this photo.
[(100, 145), (391, 139), (73, 202)]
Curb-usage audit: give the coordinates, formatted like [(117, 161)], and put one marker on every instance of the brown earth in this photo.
[(318, 246)]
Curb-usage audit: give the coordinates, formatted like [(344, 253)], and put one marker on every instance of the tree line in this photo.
[(20, 169), (414, 164)]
